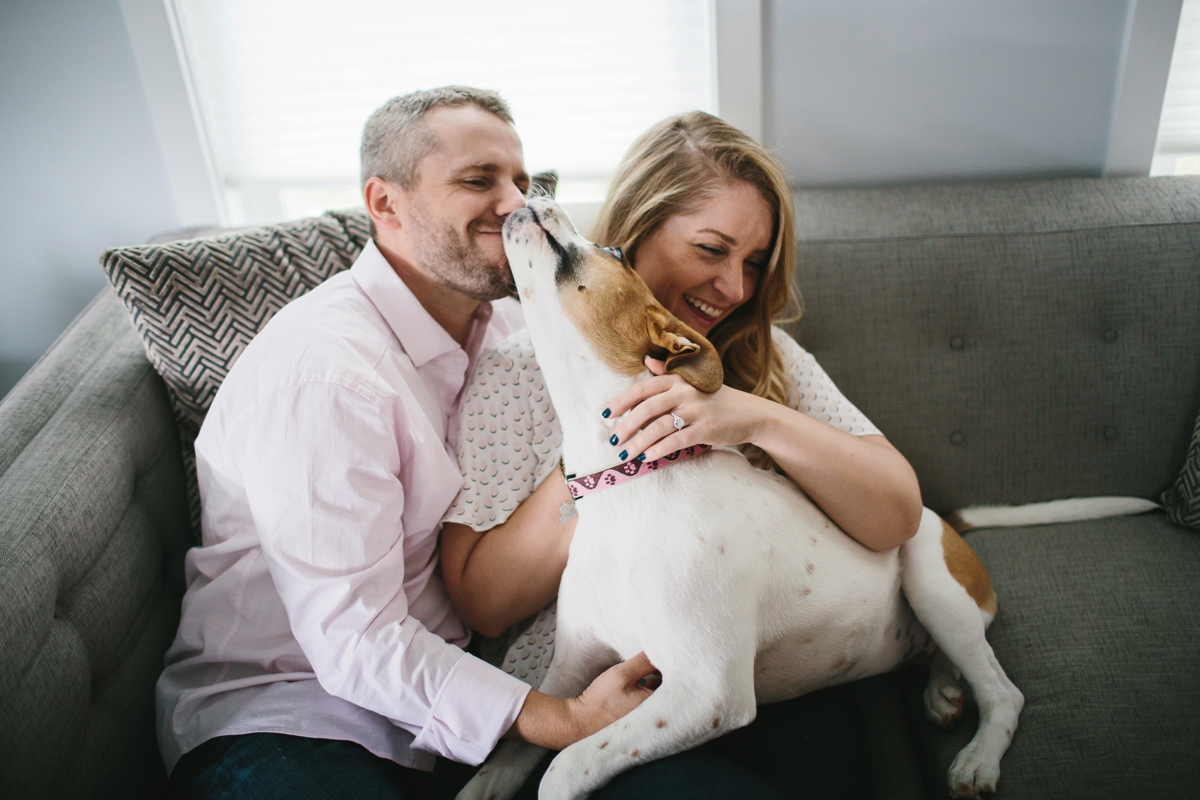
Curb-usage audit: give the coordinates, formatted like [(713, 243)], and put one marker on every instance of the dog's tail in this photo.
[(1075, 510)]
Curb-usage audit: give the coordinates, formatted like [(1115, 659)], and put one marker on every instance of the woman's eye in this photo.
[(713, 251), (476, 183)]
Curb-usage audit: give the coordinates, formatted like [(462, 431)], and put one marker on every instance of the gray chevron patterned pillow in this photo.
[(1182, 501), (198, 303)]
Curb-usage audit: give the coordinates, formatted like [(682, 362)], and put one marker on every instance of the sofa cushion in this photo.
[(197, 303), (1099, 627), (1182, 500), (92, 538), (1017, 342)]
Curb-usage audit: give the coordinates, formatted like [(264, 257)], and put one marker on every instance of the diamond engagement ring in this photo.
[(677, 421)]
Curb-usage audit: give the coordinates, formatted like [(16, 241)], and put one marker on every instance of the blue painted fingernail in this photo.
[(642, 457), (624, 453), (612, 439), (606, 413)]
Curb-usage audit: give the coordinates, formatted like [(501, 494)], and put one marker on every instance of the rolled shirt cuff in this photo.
[(475, 706)]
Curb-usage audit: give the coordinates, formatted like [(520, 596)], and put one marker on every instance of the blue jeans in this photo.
[(274, 766), (811, 747)]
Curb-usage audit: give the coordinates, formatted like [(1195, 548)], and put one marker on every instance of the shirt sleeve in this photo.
[(812, 392), (319, 464), (509, 438)]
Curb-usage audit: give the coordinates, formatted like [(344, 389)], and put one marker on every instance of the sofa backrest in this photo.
[(93, 529), (1018, 342)]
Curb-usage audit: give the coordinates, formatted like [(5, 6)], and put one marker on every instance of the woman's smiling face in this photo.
[(703, 265)]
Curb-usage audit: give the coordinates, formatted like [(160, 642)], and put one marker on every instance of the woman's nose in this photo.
[(729, 282)]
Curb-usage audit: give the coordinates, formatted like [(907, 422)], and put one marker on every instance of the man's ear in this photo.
[(689, 354), (382, 200)]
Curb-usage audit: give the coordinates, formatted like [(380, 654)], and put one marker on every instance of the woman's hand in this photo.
[(725, 417), (862, 482)]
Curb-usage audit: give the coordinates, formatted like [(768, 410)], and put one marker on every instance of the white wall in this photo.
[(856, 92), (82, 170), (870, 91)]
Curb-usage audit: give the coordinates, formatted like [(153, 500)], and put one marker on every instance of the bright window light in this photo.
[(1177, 151), (283, 87)]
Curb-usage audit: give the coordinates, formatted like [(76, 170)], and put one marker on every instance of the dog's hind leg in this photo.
[(695, 703), (578, 659), (950, 593), (944, 697)]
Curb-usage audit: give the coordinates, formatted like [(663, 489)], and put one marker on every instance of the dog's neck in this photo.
[(581, 386)]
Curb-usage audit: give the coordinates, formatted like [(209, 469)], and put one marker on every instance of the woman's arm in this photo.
[(863, 483), (503, 575)]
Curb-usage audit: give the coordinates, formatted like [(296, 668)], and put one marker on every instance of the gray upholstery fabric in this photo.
[(1099, 626), (1010, 347), (91, 546)]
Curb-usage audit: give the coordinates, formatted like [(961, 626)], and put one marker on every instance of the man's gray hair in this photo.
[(396, 138)]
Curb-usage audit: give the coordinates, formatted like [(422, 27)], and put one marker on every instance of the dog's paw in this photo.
[(974, 771), (944, 702)]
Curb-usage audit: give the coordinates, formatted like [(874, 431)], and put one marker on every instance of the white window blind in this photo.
[(283, 87), (1177, 151)]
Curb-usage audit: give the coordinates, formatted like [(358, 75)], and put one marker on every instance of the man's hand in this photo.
[(554, 723)]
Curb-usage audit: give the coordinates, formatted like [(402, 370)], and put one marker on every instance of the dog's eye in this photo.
[(615, 252)]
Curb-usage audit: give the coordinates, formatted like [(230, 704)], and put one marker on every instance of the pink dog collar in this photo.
[(628, 471)]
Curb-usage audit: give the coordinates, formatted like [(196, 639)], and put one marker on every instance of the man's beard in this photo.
[(455, 261)]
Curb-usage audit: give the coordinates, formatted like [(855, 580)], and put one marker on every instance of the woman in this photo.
[(705, 217)]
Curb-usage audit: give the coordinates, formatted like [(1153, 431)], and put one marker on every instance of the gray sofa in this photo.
[(1017, 341)]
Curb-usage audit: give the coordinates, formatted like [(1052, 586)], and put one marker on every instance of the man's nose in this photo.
[(511, 198)]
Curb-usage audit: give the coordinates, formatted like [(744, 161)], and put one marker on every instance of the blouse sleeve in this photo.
[(812, 392), (509, 438)]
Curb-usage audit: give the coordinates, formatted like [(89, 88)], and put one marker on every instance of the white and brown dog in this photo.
[(737, 587)]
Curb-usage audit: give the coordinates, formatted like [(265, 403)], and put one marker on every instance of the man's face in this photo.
[(465, 189)]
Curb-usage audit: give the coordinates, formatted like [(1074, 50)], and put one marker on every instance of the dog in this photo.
[(739, 589)]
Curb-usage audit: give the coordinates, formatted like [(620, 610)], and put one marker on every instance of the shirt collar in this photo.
[(422, 338)]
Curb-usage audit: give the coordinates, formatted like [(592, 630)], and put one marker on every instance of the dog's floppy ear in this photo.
[(688, 354)]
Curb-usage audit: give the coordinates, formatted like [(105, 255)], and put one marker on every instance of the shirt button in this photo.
[(957, 438), (1110, 433), (956, 343), (1110, 336)]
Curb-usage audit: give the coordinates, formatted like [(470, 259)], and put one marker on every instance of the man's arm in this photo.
[(319, 464), (555, 724)]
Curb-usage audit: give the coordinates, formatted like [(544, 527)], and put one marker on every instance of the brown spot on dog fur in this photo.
[(722, 549), (967, 569), (716, 722), (603, 745), (624, 323), (809, 568), (587, 772), (807, 591), (662, 723), (635, 754)]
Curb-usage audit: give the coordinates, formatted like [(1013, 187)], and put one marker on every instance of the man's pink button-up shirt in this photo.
[(315, 606)]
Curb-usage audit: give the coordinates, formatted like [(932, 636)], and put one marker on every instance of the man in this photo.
[(318, 653)]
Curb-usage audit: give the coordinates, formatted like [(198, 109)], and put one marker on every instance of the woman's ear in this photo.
[(688, 354)]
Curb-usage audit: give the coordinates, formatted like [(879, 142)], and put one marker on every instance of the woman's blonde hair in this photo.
[(674, 168)]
